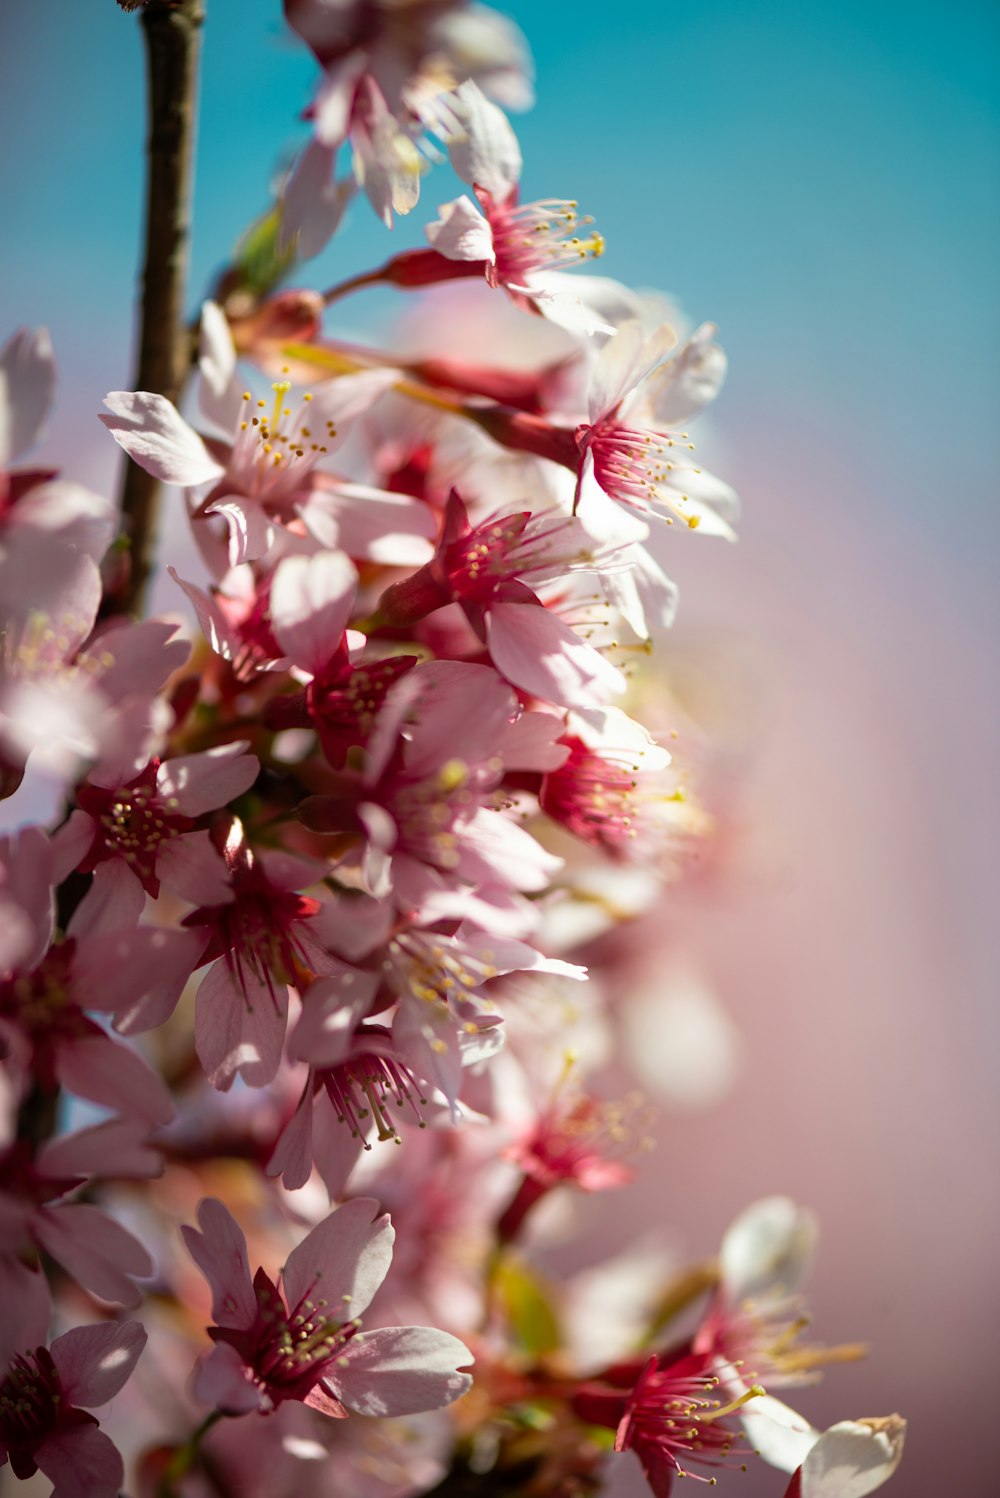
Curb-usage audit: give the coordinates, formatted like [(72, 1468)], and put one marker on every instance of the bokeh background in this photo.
[(823, 181)]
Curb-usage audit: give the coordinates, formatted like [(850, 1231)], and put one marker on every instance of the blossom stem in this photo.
[(185, 1457), (171, 29)]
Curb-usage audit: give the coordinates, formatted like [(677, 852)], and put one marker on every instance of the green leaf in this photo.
[(526, 1301)]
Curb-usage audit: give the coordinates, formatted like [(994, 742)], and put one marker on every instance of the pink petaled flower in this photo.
[(756, 1318), (386, 67), (362, 1086), (669, 1417), (300, 1338), (636, 403), (491, 570), (148, 823), (263, 476), (519, 246), (610, 791), (428, 805), (265, 938), (574, 1141), (46, 1395), (69, 692), (94, 1249)]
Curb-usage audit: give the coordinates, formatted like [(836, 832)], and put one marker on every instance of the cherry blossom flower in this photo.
[(489, 569), (262, 939), (386, 64), (301, 1338), (574, 1140), (70, 692), (610, 790), (669, 1416), (148, 824), (264, 476), (520, 246), (426, 802), (636, 403), (46, 1394)]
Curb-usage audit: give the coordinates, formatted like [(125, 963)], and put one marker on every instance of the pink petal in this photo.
[(94, 1067), (537, 652), (401, 1370), (335, 1150), (368, 524), (202, 782), (343, 1260), (220, 1252), (136, 975), (25, 1309), (250, 531), (190, 867), (81, 1462), (97, 1251), (214, 625), (615, 370), (27, 389), (239, 1032), (26, 879), (312, 204), (95, 1362), (311, 601), (114, 902), (496, 850), (223, 1379), (117, 1148), (292, 1155), (69, 843), (145, 654), (853, 1458), (331, 1009), (154, 433), (220, 396)]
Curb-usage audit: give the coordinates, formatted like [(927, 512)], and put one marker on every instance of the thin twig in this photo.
[(171, 29)]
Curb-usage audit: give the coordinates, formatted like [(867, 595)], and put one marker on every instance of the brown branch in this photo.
[(171, 29)]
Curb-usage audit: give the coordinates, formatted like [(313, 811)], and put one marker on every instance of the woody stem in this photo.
[(172, 31)]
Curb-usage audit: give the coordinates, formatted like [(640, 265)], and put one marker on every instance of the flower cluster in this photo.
[(319, 877)]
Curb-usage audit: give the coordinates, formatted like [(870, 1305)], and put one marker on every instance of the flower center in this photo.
[(644, 469), (367, 1086), (538, 236), (275, 449)]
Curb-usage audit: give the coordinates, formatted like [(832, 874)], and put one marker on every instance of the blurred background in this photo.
[(823, 182)]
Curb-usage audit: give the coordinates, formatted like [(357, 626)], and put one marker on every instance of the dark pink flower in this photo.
[(301, 1338), (492, 571), (148, 826), (46, 1395), (669, 1417)]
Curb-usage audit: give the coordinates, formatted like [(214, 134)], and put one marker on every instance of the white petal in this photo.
[(155, 434), (27, 388), (461, 232), (853, 1458)]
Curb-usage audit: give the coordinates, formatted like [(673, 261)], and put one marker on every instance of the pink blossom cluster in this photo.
[(298, 954)]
